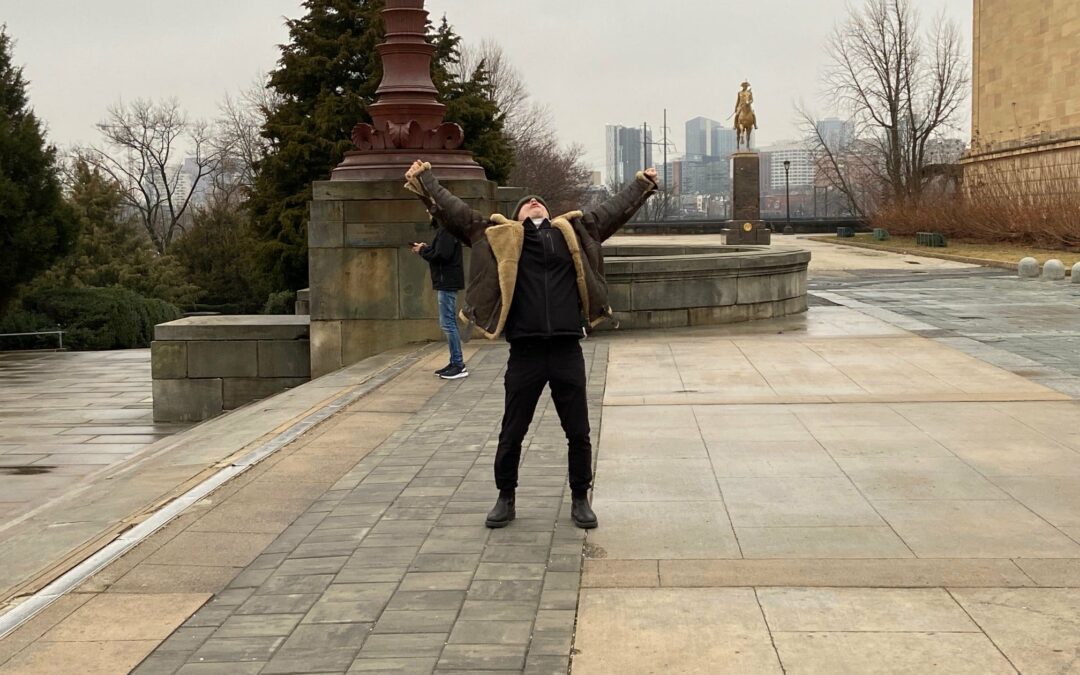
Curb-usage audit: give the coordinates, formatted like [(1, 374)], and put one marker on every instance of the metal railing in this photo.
[(58, 333)]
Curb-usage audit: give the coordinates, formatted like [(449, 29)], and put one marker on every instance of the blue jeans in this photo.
[(448, 323)]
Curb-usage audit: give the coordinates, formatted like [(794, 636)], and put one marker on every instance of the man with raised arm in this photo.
[(540, 281)]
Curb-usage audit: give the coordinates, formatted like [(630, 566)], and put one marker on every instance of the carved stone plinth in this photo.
[(369, 292), (746, 226)]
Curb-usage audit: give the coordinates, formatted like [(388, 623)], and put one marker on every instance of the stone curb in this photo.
[(984, 262)]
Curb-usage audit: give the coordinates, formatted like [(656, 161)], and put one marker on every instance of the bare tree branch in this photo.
[(239, 139), (901, 90), (541, 165), (141, 142)]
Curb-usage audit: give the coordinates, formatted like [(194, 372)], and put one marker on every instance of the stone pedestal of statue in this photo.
[(746, 226), (369, 291)]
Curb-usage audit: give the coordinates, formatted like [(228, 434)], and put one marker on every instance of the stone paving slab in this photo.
[(65, 417), (863, 529), (166, 565), (75, 513), (390, 566), (1027, 326)]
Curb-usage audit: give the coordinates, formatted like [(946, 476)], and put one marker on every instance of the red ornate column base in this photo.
[(407, 120), (392, 164)]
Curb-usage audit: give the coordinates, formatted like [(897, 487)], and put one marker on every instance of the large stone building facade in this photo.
[(1026, 95)]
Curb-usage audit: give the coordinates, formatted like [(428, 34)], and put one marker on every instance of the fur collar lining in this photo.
[(500, 219), (506, 240)]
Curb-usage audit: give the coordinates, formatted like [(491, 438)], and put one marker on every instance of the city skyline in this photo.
[(81, 59)]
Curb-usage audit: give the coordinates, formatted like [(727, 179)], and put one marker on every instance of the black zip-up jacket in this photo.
[(546, 303), (444, 258)]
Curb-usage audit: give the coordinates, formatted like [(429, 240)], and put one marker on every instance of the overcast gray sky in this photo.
[(593, 62)]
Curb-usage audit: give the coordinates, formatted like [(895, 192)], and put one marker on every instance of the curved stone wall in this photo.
[(670, 286)]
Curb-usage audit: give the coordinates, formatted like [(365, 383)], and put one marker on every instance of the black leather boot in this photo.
[(503, 511), (581, 513)]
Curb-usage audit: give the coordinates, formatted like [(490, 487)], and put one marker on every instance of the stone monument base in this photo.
[(738, 233), (746, 227), (368, 291)]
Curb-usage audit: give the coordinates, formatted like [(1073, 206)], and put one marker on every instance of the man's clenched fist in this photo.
[(416, 168)]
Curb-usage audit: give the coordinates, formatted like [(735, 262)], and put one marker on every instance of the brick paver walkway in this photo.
[(392, 570)]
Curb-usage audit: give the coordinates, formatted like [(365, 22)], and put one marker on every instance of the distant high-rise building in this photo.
[(801, 168), (703, 176), (626, 153), (709, 138), (725, 142), (700, 136), (706, 168), (836, 133)]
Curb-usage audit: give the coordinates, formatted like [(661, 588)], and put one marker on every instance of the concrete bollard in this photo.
[(1076, 273), (1053, 270), (1029, 268)]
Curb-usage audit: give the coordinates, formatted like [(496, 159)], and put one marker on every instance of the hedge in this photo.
[(97, 318)]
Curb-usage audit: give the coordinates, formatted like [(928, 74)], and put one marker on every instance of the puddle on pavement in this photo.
[(25, 470)]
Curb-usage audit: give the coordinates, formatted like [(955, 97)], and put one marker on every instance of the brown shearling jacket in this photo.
[(496, 244)]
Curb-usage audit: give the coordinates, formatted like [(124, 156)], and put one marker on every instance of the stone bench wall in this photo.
[(203, 366), (673, 286)]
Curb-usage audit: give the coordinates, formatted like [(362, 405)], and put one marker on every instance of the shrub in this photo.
[(280, 303), (22, 321), (101, 318)]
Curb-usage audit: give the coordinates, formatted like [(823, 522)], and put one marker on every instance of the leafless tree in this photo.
[(508, 88), (663, 206), (899, 86), (541, 164), (847, 165), (240, 140), (142, 154), (556, 173)]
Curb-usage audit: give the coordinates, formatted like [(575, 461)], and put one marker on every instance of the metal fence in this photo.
[(58, 333)]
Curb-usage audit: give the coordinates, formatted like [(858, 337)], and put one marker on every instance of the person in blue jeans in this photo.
[(447, 278)]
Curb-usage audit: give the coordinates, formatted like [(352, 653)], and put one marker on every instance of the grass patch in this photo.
[(1005, 253)]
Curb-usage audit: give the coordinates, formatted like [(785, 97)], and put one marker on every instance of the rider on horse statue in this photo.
[(745, 119)]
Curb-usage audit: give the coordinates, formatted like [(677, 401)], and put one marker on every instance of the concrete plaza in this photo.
[(856, 490)]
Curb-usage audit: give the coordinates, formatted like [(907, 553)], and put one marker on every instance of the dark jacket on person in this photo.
[(500, 248), (546, 301), (444, 258)]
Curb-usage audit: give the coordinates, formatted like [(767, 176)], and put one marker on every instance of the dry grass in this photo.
[(1006, 253), (999, 211)]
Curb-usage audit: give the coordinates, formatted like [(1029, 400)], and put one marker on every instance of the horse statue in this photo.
[(745, 119)]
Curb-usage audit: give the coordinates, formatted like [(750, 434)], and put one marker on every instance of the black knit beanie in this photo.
[(525, 200)]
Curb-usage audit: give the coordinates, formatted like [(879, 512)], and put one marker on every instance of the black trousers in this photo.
[(557, 362)]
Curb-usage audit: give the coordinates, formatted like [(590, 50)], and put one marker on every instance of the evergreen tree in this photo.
[(36, 224), (110, 250), (326, 77), (216, 255)]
